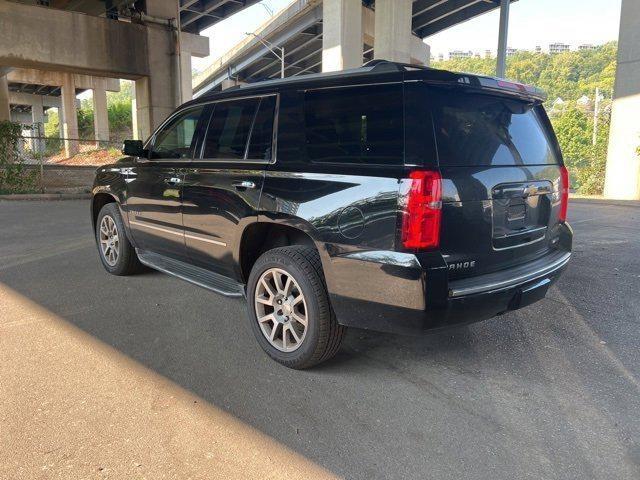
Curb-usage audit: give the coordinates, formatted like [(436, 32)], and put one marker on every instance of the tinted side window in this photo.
[(262, 132), (473, 130), (176, 138), (355, 125), (229, 129)]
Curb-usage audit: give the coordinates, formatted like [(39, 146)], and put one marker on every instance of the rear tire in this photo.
[(116, 253), (286, 289)]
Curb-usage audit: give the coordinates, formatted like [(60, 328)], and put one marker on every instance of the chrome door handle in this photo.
[(244, 184)]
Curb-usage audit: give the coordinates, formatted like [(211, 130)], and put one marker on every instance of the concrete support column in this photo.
[(342, 35), (228, 83), (100, 111), (134, 114), (61, 121), (393, 30), (186, 80), (37, 120), (420, 52), (622, 180), (5, 110), (156, 94), (190, 46), (503, 33), (69, 114)]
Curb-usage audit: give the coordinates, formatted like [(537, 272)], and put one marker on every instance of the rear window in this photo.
[(481, 130)]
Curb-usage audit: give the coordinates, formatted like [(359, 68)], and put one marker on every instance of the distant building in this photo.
[(587, 46), (559, 48), (488, 54), (460, 54), (557, 106), (584, 103), (511, 51), (441, 57), (538, 49)]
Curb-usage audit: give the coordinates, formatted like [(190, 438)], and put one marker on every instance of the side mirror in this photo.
[(133, 148)]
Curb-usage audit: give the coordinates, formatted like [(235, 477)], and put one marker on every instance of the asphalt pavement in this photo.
[(151, 377)]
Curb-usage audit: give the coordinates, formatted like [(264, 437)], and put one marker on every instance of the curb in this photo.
[(597, 200), (45, 196)]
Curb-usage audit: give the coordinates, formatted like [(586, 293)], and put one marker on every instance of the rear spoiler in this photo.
[(514, 87), (495, 85)]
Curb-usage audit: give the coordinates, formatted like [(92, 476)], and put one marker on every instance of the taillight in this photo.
[(421, 221), (564, 193), (512, 85)]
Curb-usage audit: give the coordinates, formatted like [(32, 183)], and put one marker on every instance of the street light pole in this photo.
[(270, 46)]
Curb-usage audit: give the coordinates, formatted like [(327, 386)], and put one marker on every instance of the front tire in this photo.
[(117, 254), (291, 316)]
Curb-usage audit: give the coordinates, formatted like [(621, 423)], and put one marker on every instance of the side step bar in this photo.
[(196, 275)]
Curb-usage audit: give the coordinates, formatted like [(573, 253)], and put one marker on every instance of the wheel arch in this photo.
[(261, 236), (99, 199)]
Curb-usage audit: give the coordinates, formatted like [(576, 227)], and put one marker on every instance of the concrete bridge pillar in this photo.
[(37, 120), (5, 111), (190, 46), (69, 115), (100, 112), (393, 30), (342, 35), (134, 115), (622, 180), (186, 80)]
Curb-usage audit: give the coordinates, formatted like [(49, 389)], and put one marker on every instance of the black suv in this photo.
[(390, 197)]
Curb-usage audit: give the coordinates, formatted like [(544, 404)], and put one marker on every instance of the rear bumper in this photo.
[(445, 304)]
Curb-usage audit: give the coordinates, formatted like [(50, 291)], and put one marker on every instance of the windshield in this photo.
[(482, 130)]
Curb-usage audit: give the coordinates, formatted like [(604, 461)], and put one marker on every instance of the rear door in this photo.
[(500, 164), (223, 184)]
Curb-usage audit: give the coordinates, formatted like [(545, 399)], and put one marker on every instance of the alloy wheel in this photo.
[(281, 310), (109, 240)]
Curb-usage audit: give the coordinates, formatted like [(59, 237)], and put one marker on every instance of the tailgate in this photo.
[(500, 165)]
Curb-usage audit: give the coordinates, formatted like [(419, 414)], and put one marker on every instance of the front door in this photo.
[(154, 188), (222, 186)]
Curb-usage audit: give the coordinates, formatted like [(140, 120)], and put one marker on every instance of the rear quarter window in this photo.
[(362, 125), (484, 130)]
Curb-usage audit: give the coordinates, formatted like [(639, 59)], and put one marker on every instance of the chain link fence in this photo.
[(62, 165)]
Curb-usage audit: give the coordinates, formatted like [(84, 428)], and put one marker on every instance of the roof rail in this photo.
[(379, 64)]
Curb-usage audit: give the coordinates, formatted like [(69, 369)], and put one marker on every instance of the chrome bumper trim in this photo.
[(491, 282)]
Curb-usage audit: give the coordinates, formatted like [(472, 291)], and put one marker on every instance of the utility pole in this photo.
[(595, 116)]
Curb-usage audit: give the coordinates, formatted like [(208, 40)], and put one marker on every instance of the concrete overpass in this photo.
[(149, 42), (331, 35)]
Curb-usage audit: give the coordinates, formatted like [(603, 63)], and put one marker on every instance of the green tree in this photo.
[(568, 76), (14, 177)]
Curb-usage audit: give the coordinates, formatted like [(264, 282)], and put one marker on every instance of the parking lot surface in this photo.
[(151, 377)]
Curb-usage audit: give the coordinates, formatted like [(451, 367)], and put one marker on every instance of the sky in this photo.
[(535, 22), (532, 22), (227, 33)]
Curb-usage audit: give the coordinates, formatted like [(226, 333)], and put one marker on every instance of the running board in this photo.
[(196, 275)]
